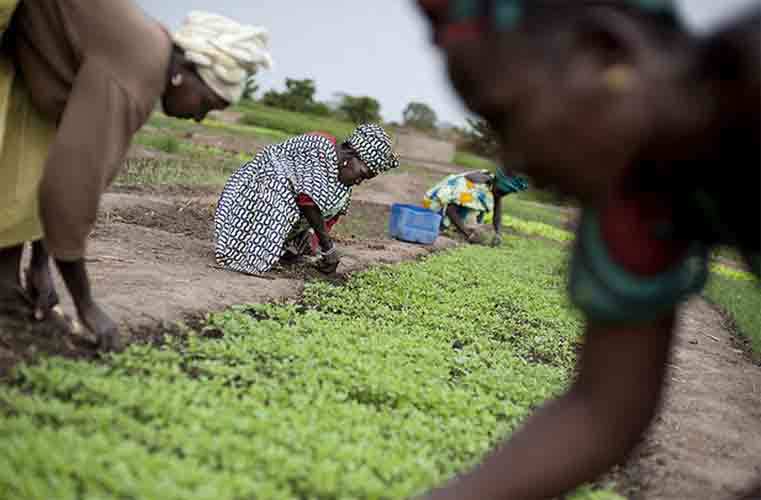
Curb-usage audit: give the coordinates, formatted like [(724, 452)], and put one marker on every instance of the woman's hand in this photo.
[(473, 236), (106, 331), (329, 261), (478, 236), (497, 240)]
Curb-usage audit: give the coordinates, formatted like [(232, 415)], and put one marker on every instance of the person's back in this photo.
[(55, 38)]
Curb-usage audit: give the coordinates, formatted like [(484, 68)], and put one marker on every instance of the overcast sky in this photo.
[(378, 48)]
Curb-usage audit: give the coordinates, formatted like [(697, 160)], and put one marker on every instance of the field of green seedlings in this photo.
[(735, 291), (377, 389)]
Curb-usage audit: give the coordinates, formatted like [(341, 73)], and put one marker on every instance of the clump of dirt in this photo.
[(190, 218)]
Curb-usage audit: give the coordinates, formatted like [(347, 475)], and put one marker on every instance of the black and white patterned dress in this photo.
[(257, 209)]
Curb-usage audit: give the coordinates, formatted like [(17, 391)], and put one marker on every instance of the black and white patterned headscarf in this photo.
[(373, 146)]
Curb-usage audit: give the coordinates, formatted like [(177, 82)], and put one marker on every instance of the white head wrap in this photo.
[(225, 52)]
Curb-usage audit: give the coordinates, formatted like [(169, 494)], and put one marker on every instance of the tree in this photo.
[(481, 138), (250, 89), (360, 109), (301, 89), (420, 116), (298, 96)]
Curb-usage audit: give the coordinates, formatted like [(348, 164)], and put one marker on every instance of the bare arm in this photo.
[(593, 426), (316, 221), (497, 215), (457, 220), (330, 258), (75, 276), (93, 134)]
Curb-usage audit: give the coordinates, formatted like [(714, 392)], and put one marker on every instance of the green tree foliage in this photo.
[(420, 116), (360, 109), (250, 89), (481, 139), (298, 96)]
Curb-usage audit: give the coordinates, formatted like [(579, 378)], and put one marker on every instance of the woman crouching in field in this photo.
[(464, 200), (269, 205)]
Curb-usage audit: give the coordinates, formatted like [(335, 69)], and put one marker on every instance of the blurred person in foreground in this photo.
[(657, 132), (78, 78)]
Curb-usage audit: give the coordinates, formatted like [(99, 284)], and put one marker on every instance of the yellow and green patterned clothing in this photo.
[(473, 200), (25, 136)]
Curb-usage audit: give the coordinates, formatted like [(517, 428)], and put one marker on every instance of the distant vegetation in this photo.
[(292, 122), (420, 116)]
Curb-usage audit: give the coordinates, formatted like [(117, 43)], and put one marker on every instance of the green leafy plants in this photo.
[(377, 389), (530, 211), (531, 228), (741, 299)]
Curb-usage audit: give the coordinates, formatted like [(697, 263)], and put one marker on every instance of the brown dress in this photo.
[(96, 68)]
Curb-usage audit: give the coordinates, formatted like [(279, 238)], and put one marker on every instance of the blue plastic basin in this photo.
[(414, 224)]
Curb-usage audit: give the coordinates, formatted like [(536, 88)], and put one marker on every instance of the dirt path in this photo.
[(706, 441), (152, 259)]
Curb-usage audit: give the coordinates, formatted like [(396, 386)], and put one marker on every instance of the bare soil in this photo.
[(705, 443)]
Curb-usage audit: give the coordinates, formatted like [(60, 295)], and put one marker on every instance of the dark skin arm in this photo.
[(477, 178), (39, 281), (315, 219), (75, 276), (576, 437), (457, 221), (497, 216)]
